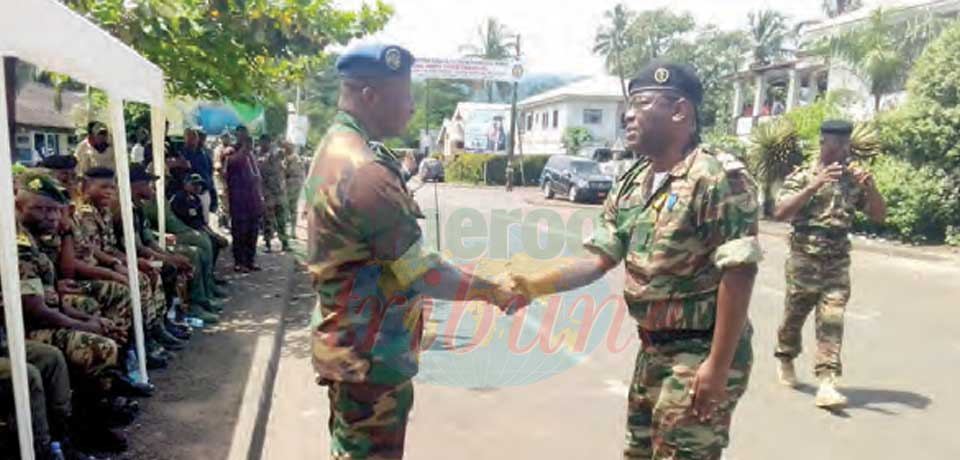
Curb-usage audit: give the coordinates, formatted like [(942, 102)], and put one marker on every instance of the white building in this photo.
[(595, 104), (476, 127), (42, 129)]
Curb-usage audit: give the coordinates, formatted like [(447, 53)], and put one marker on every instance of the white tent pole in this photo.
[(119, 129), (10, 276), (159, 165)]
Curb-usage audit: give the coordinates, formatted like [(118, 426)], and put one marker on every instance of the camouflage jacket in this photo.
[(293, 170), (676, 240), (33, 271), (821, 227), (97, 226), (362, 220), (273, 175)]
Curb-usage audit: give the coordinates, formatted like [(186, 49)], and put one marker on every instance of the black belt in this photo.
[(657, 338)]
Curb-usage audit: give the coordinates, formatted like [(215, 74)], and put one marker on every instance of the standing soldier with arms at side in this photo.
[(294, 172), (685, 225), (820, 202), (274, 180), (365, 245)]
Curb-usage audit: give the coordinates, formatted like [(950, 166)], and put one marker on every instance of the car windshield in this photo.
[(585, 167)]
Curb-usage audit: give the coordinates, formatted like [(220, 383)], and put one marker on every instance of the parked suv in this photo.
[(577, 178)]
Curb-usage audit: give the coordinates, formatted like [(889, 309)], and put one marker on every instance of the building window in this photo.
[(592, 116), (545, 120), (529, 122), (556, 118)]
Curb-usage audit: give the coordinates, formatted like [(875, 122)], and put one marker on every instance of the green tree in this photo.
[(610, 41), (494, 41), (775, 150), (882, 50), (574, 138), (653, 34), (834, 8), (769, 33), (444, 97), (244, 50)]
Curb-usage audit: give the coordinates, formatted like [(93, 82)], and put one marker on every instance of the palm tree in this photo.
[(834, 8), (881, 52), (610, 41), (769, 32), (494, 41)]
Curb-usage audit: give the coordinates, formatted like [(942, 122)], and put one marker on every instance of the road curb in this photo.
[(250, 430)]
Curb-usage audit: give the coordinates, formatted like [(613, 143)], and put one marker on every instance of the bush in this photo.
[(468, 168), (936, 74), (919, 203)]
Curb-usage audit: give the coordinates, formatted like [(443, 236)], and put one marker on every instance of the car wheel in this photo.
[(573, 194), (547, 190)]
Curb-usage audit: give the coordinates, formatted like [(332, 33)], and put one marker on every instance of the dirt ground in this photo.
[(193, 413)]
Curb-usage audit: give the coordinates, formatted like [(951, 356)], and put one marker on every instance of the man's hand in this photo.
[(508, 300), (66, 222), (709, 389), (520, 286), (181, 262), (120, 278), (94, 326), (863, 178), (828, 175), (112, 330), (68, 287)]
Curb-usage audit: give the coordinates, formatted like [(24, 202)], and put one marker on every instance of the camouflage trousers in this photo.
[(153, 302), (49, 383), (113, 301), (368, 421), (90, 357), (660, 422), (274, 221), (821, 284), (293, 206)]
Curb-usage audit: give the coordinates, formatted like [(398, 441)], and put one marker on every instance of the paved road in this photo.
[(902, 358)]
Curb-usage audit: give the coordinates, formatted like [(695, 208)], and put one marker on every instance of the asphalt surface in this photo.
[(901, 355)]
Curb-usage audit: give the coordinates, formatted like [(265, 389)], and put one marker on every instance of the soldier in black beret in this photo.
[(684, 222), (62, 168), (821, 201)]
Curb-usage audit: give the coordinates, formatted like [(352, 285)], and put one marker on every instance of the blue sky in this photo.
[(557, 34)]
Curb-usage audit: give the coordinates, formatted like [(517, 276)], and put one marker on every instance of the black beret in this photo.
[(373, 60), (672, 76), (99, 173), (139, 173), (195, 179), (59, 162), (841, 127), (44, 185)]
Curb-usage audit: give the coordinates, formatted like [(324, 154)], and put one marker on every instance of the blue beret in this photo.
[(672, 76), (374, 61)]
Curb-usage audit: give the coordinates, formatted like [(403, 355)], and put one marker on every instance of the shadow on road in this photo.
[(871, 399)]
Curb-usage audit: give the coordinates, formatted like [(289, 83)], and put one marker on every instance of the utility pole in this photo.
[(511, 143), (10, 73)]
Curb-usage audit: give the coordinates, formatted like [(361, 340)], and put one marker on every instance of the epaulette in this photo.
[(23, 240), (630, 175)]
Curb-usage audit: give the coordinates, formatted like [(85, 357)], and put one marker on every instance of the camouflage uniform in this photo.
[(107, 299), (49, 384), (96, 229), (818, 269), (273, 175), (293, 169), (88, 355), (366, 329), (676, 242)]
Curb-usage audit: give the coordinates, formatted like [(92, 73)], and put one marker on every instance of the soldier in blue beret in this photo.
[(364, 249)]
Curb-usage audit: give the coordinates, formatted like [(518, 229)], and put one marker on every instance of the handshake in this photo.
[(510, 295)]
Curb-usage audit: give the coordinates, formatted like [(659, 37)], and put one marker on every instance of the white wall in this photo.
[(539, 140)]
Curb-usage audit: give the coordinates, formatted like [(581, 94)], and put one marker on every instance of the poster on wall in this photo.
[(486, 130)]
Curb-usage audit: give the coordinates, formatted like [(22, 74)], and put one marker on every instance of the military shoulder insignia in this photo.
[(730, 162), (35, 184), (661, 75), (23, 240), (393, 59)]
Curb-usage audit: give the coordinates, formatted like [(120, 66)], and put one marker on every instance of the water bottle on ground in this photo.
[(56, 453), (133, 367)]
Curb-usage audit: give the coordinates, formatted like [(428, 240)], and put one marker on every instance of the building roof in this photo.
[(838, 24), (35, 107), (600, 87)]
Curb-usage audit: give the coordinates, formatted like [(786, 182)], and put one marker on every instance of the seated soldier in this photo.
[(141, 184), (85, 340), (98, 193), (188, 207), (49, 384)]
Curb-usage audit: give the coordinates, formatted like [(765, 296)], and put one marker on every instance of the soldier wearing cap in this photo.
[(820, 202), (365, 248), (95, 151), (63, 169), (274, 181), (684, 222)]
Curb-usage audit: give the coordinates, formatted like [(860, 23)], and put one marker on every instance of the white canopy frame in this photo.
[(50, 35)]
